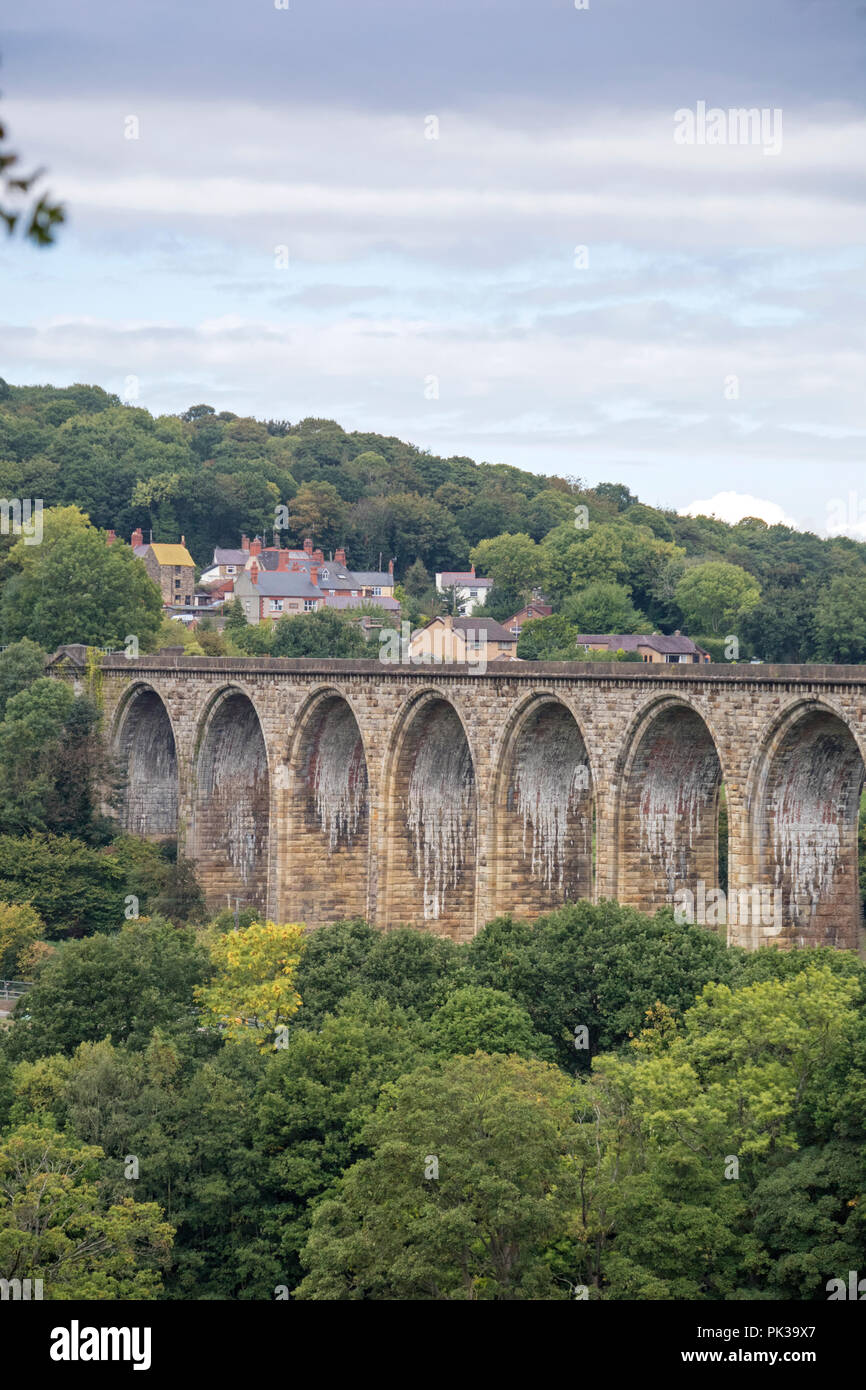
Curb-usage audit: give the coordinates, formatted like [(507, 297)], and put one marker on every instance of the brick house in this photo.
[(171, 567), (526, 615), (267, 596)]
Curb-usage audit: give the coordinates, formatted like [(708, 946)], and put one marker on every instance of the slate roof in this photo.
[(493, 631), (471, 581), (373, 577), (221, 556), (340, 601), (286, 584), (629, 642)]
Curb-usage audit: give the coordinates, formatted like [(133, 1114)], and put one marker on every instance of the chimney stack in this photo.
[(110, 537), (314, 575), (319, 556), (254, 574), (391, 568), (308, 546), (340, 556), (472, 570), (183, 540), (136, 538), (256, 546), (283, 560), (245, 542)]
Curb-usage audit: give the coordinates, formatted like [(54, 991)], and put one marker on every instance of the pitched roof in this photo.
[(168, 554), (493, 631), (221, 556), (464, 577), (381, 577), (286, 584), (630, 642), (333, 576), (390, 605)]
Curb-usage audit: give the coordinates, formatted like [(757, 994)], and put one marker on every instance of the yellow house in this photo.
[(463, 640), (170, 566)]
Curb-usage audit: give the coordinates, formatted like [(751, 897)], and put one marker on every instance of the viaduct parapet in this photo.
[(439, 796)]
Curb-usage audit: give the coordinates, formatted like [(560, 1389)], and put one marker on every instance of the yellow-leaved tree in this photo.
[(254, 983)]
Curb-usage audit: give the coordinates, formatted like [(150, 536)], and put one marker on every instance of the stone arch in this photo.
[(231, 802), (431, 820), (145, 750), (668, 777), (543, 811), (329, 814), (803, 802)]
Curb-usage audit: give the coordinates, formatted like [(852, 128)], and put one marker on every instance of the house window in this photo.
[(377, 589), (309, 605), (231, 569), (332, 592), (276, 605), (177, 583), (354, 593)]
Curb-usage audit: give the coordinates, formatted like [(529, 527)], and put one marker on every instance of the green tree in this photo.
[(50, 760), (476, 1018), (468, 1188), (552, 968), (547, 639), (603, 607), (21, 664), (75, 888), (55, 1225), (120, 986), (840, 621), (513, 562), (714, 596), (20, 927), (76, 588)]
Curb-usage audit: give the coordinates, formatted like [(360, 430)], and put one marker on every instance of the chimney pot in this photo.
[(136, 538), (319, 555), (256, 547)]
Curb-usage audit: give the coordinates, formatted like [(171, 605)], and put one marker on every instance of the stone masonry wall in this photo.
[(462, 796)]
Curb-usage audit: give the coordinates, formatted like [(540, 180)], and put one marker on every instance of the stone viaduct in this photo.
[(439, 796)]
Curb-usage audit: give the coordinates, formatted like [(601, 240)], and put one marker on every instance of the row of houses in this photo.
[(272, 582)]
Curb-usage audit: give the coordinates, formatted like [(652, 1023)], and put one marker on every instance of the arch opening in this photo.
[(433, 825), (148, 760), (544, 815), (669, 823), (808, 830), (232, 805), (330, 818)]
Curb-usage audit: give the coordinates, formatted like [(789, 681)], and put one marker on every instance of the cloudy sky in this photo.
[(468, 223)]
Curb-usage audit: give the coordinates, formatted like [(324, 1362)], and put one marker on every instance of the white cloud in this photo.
[(733, 506)]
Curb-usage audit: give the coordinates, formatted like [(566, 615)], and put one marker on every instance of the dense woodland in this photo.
[(597, 1103), (605, 560)]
